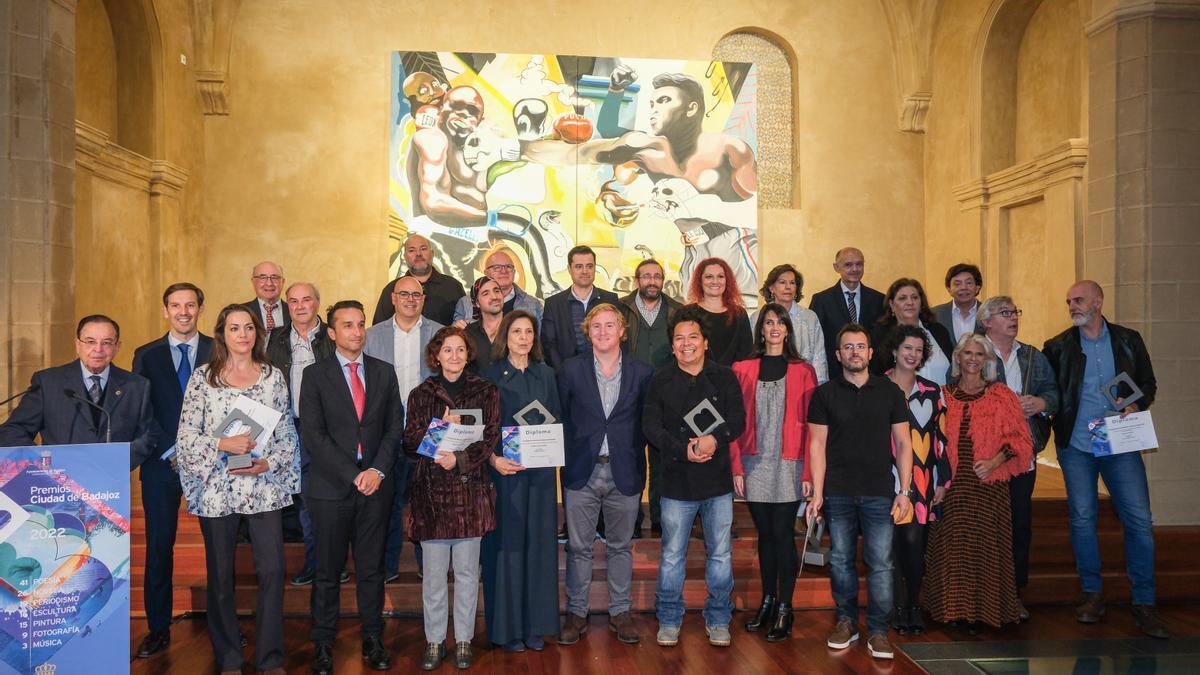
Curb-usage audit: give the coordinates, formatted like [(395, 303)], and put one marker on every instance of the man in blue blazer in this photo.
[(602, 393), (63, 404), (562, 332), (167, 363)]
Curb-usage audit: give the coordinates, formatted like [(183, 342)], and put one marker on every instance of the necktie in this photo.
[(850, 307), (270, 315), (360, 398), (184, 371), (95, 391)]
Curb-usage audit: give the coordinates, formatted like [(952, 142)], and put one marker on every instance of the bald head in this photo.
[(408, 299), (1085, 300), (849, 264), (499, 266), (267, 278), (418, 255)]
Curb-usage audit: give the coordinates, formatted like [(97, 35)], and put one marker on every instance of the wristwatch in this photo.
[(381, 474), (906, 493)]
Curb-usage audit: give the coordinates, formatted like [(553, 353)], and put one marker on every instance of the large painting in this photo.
[(535, 153)]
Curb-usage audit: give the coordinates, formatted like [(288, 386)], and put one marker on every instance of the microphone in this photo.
[(32, 388), (107, 418)]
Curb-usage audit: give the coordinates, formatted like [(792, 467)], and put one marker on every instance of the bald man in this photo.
[(267, 279), (501, 268), (441, 291), (1085, 357), (847, 301)]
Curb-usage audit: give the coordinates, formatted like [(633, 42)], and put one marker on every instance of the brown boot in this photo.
[(1091, 609), (1146, 618), (627, 632), (573, 627)]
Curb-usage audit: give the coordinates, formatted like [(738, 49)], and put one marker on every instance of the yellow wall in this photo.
[(95, 68), (1049, 95), (297, 171)]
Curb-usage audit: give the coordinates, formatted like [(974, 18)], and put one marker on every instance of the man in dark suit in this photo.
[(352, 430), (602, 393), (442, 291), (293, 348), (847, 301), (167, 363), (267, 279), (562, 321), (961, 314), (63, 404)]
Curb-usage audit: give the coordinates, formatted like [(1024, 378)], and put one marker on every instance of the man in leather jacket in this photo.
[(1085, 357)]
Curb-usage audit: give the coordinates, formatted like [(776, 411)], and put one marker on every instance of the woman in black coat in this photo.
[(906, 303), (520, 558)]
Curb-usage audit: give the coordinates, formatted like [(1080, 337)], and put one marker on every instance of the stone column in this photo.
[(37, 156), (1142, 235)]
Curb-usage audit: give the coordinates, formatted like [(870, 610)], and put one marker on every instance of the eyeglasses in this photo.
[(406, 295), (264, 278), (500, 268), (651, 277), (90, 343), (1010, 313)]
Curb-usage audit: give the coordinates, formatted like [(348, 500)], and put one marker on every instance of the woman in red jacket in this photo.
[(768, 459), (452, 499), (969, 577)]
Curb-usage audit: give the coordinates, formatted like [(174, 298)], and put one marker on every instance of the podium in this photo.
[(64, 559)]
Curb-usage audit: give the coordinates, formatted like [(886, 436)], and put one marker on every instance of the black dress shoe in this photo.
[(323, 662), (305, 577), (242, 638), (463, 655), (344, 578), (435, 653), (562, 534), (375, 655), (765, 614), (782, 628), (154, 643)]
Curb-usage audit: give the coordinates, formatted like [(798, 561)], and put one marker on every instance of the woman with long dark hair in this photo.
[(906, 304), (451, 498), (768, 459), (714, 290), (520, 558), (222, 497), (909, 346)]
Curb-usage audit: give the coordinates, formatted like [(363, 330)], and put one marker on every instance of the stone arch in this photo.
[(777, 157), (139, 74)]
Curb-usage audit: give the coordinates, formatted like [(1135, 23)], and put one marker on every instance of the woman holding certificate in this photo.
[(768, 459), (451, 498), (222, 497), (520, 558), (970, 578)]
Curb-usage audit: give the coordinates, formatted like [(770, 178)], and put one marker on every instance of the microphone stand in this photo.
[(19, 394), (107, 417)]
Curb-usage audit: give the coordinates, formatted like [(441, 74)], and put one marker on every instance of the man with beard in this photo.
[(441, 291), (854, 420), (1085, 358), (648, 313), (489, 300), (445, 188)]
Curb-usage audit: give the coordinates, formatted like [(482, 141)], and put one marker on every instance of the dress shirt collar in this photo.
[(87, 376)]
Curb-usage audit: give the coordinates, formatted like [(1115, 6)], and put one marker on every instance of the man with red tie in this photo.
[(353, 425)]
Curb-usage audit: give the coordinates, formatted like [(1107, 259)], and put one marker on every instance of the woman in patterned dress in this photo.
[(909, 346), (222, 497), (970, 576), (768, 459)]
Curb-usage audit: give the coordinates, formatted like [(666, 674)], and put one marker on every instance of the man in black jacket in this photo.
[(442, 291), (353, 426), (293, 348), (847, 301), (1085, 358), (562, 322)]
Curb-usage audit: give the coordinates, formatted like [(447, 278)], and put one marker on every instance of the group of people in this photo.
[(916, 426)]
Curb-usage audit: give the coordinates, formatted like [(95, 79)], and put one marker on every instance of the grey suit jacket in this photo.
[(61, 420), (941, 314), (381, 335)]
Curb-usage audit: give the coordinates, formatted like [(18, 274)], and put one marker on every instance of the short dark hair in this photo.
[(637, 271), (773, 276), (184, 286), (579, 250), (500, 346), (439, 338), (687, 313), (97, 318), (901, 332), (692, 91), (958, 269), (851, 328), (342, 304)]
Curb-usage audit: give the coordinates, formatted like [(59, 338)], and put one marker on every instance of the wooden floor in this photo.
[(600, 652)]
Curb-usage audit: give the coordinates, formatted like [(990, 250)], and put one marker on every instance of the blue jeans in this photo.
[(716, 514), (845, 515), (1125, 477)]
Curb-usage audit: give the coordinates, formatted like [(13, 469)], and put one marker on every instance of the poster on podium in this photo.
[(64, 559)]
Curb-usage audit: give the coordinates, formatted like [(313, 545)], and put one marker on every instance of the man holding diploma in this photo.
[(1085, 358)]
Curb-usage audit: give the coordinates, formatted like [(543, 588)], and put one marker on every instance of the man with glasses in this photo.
[(648, 312), (1028, 374), (63, 404), (499, 266), (401, 343), (442, 291), (267, 279)]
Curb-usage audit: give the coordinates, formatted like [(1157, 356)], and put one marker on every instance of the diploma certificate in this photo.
[(446, 437), (1133, 433), (534, 446)]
